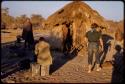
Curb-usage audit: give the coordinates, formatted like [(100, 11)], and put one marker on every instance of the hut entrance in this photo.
[(68, 41)]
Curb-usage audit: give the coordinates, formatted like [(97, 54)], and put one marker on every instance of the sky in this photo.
[(111, 10)]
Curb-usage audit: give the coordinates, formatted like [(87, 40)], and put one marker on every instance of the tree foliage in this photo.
[(20, 20), (17, 22), (6, 18), (36, 19)]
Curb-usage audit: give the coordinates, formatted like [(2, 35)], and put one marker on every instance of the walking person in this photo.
[(93, 38), (44, 59), (27, 34)]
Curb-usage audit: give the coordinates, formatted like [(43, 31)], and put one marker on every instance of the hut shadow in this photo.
[(118, 66), (107, 44), (64, 59)]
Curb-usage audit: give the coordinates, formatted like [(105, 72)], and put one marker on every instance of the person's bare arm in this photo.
[(101, 43), (86, 41)]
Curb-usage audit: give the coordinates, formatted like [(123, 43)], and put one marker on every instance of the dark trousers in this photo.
[(26, 44), (93, 48)]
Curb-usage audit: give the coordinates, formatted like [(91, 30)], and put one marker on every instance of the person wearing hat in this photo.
[(93, 39)]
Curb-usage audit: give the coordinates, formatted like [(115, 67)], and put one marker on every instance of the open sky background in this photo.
[(111, 10)]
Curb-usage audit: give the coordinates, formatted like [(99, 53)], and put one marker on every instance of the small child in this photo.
[(118, 59), (44, 59)]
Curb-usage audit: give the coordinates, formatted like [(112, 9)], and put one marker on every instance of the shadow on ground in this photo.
[(64, 59)]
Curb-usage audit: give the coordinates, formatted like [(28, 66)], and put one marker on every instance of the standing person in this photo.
[(27, 34), (44, 59), (94, 39), (108, 42)]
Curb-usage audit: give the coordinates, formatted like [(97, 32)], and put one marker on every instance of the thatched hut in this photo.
[(77, 17)]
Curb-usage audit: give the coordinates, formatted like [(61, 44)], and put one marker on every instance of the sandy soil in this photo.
[(70, 71), (73, 71)]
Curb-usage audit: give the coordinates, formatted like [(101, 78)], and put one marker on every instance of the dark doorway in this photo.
[(69, 40)]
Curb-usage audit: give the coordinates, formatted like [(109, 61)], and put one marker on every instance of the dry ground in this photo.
[(72, 71)]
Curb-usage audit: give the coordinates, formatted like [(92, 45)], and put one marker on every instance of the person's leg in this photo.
[(96, 51), (28, 45), (42, 72), (90, 57), (25, 44), (47, 70), (32, 70), (36, 69)]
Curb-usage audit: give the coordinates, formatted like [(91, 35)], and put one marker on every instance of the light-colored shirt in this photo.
[(42, 50)]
